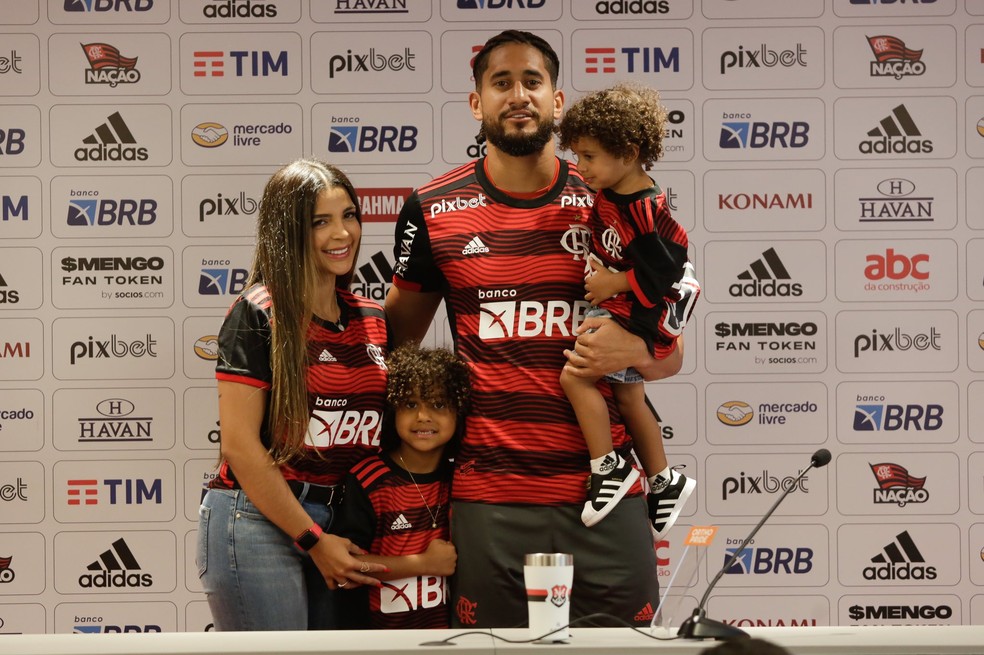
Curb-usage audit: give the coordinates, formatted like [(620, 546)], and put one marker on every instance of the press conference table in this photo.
[(914, 640)]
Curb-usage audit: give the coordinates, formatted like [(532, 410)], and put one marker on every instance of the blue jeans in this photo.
[(253, 575)]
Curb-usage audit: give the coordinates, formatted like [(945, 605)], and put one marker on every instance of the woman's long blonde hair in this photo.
[(283, 262)]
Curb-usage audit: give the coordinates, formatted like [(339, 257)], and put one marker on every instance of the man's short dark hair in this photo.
[(481, 62)]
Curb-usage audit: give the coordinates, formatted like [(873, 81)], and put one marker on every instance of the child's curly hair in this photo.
[(436, 375), (619, 117)]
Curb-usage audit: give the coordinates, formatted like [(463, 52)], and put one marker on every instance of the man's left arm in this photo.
[(604, 347)]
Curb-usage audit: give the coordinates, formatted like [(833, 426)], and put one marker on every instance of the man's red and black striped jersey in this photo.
[(636, 233), (346, 381), (386, 512), (512, 275)]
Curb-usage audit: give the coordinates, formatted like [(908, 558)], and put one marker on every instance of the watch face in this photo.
[(307, 540)]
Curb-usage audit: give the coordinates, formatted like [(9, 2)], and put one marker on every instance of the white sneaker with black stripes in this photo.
[(605, 490)]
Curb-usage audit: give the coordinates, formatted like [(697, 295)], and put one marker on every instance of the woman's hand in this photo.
[(334, 557)]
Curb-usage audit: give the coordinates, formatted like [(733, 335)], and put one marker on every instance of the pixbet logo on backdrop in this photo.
[(112, 348), (372, 60), (762, 56)]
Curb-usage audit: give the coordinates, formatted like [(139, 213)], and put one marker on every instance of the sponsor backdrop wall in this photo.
[(827, 157)]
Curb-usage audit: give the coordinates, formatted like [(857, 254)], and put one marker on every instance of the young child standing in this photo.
[(396, 503), (638, 273)]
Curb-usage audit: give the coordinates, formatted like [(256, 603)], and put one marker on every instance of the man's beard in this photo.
[(519, 144)]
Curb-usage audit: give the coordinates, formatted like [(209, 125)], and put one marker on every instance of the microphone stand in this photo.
[(698, 626)]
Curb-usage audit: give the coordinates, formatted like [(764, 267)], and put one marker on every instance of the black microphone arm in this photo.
[(698, 626)]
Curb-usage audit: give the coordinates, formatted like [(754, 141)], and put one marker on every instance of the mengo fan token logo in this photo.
[(111, 141), (893, 59), (896, 133), (765, 277), (896, 486), (115, 568), (209, 135), (900, 561), (108, 66)]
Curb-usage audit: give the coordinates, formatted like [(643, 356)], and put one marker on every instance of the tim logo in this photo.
[(108, 66), (116, 568), (633, 60), (372, 138), (897, 134), (222, 281), (899, 561), (409, 594), (332, 428), (893, 59), (117, 492), (12, 207), (758, 561), (889, 418), (757, 135), (108, 5), (6, 573), (896, 486), (245, 63), (528, 319)]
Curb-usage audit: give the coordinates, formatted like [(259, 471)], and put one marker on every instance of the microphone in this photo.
[(698, 626)]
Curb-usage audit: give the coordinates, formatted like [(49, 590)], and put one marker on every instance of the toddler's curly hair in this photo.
[(618, 117)]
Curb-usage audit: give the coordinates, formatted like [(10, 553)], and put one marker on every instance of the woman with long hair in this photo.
[(301, 383)]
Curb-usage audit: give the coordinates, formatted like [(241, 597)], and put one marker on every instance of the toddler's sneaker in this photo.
[(605, 490), (666, 501)]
